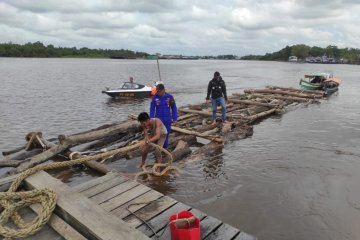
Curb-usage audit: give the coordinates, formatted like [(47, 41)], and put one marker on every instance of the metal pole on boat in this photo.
[(157, 60)]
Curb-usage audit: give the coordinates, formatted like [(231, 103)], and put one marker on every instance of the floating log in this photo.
[(185, 131), (300, 95), (298, 90), (182, 149), (248, 102), (294, 99)]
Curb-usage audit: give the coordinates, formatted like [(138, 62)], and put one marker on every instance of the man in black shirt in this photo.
[(217, 91)]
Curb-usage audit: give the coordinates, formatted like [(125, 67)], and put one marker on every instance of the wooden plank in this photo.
[(244, 236), (145, 198), (89, 184), (124, 197), (6, 182), (45, 233), (160, 221), (151, 210), (102, 187), (60, 226), (208, 225), (86, 217), (112, 192), (197, 213), (224, 232)]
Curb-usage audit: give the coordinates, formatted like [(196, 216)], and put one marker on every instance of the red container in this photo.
[(189, 232)]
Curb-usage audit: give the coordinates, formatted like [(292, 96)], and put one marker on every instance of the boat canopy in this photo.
[(326, 75)]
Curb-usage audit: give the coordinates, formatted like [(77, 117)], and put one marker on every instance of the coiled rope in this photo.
[(155, 167), (11, 202)]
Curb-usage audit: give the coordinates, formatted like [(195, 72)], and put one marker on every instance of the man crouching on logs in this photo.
[(155, 132)]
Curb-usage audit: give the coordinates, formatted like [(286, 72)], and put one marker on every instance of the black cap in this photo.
[(160, 86), (216, 74)]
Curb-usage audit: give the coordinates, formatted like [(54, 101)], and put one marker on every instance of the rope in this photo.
[(155, 167), (12, 201)]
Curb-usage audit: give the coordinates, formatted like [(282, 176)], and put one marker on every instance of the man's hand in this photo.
[(207, 101)]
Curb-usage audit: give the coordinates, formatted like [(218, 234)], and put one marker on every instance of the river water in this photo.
[(297, 177)]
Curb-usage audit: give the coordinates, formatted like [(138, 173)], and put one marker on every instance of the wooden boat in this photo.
[(315, 82), (129, 89)]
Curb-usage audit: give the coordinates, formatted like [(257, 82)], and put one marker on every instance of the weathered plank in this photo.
[(103, 187), (112, 192), (60, 226), (160, 221), (151, 210), (244, 236), (124, 197), (197, 213), (224, 232), (137, 203), (208, 225), (89, 184), (86, 217)]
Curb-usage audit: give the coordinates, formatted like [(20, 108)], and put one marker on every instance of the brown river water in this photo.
[(297, 177)]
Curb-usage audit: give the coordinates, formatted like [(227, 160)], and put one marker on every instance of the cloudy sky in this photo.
[(188, 27)]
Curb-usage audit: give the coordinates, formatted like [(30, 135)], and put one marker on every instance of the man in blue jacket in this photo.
[(163, 106)]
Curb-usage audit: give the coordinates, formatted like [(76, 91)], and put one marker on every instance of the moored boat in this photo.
[(128, 90)]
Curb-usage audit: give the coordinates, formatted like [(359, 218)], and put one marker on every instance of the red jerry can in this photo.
[(184, 226)]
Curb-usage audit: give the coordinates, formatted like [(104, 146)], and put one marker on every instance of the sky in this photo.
[(187, 27)]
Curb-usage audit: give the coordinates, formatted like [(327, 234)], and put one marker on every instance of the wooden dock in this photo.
[(99, 209)]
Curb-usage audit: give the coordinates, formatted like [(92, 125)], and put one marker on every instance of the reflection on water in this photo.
[(295, 178)]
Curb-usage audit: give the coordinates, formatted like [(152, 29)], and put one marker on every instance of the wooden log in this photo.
[(257, 116), (182, 149), (249, 102), (98, 134), (294, 99), (203, 113), (5, 153), (185, 131), (10, 163), (293, 94), (319, 92)]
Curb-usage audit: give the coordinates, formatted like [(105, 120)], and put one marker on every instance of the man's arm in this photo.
[(174, 112), (208, 91), (152, 108), (224, 91)]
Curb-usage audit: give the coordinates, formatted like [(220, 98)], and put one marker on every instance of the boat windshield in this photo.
[(129, 85)]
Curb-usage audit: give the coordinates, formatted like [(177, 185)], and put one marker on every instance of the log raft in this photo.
[(194, 120)]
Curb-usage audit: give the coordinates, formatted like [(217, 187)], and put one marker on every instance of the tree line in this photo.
[(301, 51), (38, 49)]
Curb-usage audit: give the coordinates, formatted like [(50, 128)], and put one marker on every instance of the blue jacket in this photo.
[(163, 107)]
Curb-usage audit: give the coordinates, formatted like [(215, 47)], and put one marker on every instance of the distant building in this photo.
[(293, 59)]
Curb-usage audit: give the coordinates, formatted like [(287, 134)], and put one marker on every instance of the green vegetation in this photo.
[(351, 55), (38, 49)]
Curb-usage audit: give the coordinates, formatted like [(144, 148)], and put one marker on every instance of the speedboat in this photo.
[(129, 90)]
